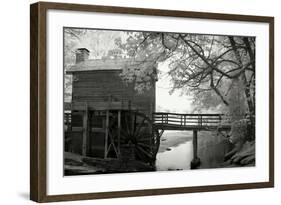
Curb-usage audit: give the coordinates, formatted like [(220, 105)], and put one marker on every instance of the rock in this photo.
[(72, 159), (230, 154), (168, 149), (248, 160), (172, 169), (80, 165), (245, 155), (195, 163), (226, 163), (73, 162)]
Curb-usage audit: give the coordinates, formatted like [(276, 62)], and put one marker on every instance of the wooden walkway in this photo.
[(176, 121)]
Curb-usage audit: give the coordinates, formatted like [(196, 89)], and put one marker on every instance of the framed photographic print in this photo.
[(134, 102)]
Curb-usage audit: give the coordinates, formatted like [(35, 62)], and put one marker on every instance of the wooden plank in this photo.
[(178, 121), (187, 118), (169, 113), (195, 144), (106, 134), (85, 131), (119, 131), (112, 144), (191, 127), (102, 106), (196, 160)]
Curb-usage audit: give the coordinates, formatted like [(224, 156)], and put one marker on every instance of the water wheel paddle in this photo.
[(138, 130)]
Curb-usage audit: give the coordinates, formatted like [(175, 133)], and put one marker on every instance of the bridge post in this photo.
[(196, 160)]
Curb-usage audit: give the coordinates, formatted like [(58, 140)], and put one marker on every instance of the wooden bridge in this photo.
[(194, 122), (176, 121)]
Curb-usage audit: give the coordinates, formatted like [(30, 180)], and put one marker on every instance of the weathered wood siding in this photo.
[(100, 87), (104, 85)]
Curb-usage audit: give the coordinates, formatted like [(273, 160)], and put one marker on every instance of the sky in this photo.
[(174, 102)]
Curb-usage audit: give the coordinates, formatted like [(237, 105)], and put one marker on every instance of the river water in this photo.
[(175, 152)]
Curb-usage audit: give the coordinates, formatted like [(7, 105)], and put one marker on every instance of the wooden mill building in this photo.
[(106, 112)]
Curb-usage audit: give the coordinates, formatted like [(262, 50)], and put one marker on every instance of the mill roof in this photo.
[(109, 64)]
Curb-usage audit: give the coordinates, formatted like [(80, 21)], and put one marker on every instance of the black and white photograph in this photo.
[(147, 101)]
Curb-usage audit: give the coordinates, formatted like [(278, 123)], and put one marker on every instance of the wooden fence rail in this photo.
[(185, 120), (174, 119)]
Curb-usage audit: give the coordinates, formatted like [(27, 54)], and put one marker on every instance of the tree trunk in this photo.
[(246, 85)]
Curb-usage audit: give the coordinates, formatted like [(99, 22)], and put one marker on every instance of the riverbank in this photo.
[(172, 139), (176, 150), (79, 165), (212, 149), (175, 153)]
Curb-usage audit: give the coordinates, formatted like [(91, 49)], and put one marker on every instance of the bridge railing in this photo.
[(185, 120)]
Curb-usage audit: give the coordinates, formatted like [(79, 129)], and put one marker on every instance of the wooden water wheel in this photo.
[(138, 133), (138, 130)]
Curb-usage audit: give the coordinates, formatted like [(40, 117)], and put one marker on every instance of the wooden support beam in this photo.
[(106, 134), (119, 131), (195, 143), (67, 119), (196, 160), (129, 105), (85, 131)]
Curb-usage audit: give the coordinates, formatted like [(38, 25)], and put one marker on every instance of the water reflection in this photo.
[(175, 152)]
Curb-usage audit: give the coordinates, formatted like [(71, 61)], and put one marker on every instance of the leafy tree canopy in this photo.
[(203, 66)]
